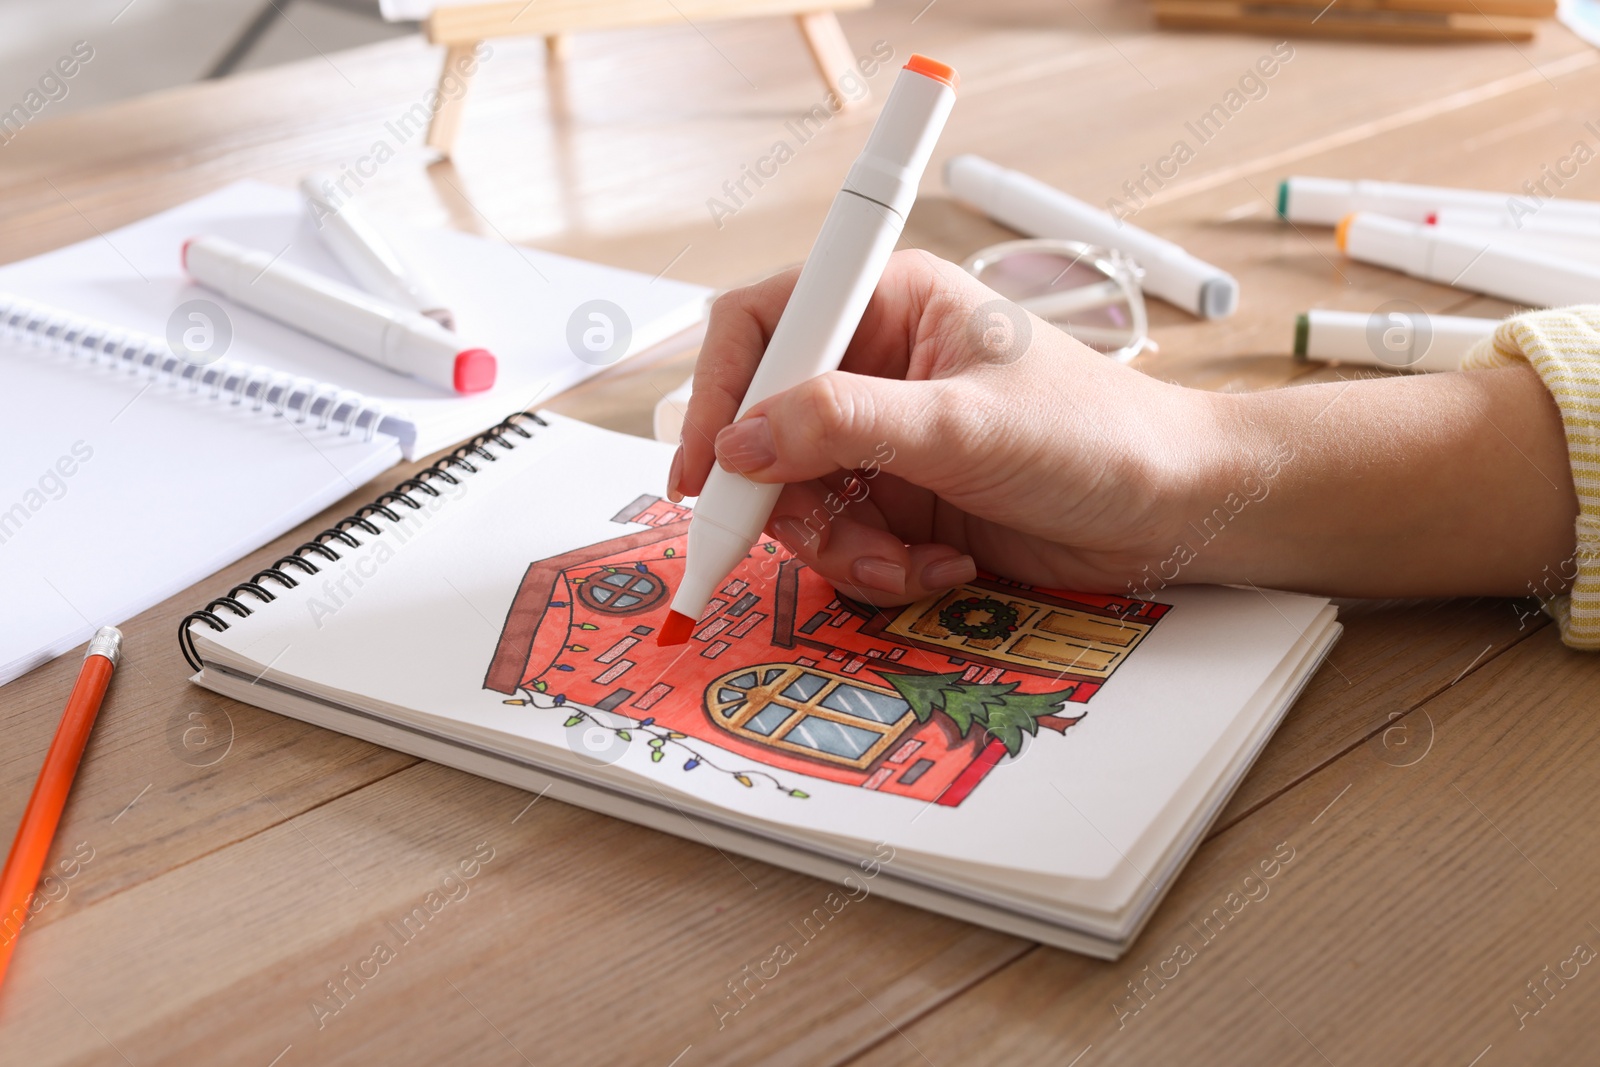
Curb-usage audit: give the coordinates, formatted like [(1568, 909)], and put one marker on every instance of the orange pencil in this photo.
[(39, 820)]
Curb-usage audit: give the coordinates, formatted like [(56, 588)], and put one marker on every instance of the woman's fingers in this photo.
[(851, 421), (861, 558), (896, 320)]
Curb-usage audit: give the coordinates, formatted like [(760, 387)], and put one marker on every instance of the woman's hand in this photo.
[(960, 433), (949, 440)]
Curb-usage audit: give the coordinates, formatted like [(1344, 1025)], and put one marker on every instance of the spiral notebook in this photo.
[(1040, 761), (128, 475)]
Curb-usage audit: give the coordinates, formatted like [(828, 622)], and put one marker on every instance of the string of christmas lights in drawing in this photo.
[(660, 738)]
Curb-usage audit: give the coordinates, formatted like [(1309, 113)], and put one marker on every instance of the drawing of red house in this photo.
[(784, 671)]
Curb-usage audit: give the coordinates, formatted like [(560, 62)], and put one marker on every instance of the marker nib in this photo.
[(675, 631)]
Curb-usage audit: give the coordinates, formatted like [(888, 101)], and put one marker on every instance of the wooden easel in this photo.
[(460, 29)]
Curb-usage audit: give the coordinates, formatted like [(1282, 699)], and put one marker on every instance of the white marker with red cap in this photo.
[(1325, 201), (823, 312), (400, 339), (1574, 238)]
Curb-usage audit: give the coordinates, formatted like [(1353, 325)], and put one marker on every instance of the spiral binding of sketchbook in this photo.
[(300, 399), (340, 531)]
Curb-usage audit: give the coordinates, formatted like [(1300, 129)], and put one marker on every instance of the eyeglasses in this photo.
[(1088, 291)]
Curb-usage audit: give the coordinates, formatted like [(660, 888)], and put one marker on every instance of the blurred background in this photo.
[(144, 45)]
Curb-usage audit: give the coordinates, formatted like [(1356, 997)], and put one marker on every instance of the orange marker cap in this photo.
[(932, 68), (1341, 230)]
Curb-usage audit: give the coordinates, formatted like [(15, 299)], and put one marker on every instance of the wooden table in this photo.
[(1434, 782)]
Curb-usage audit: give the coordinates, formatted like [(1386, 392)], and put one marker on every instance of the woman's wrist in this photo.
[(1239, 460), (1201, 472), (1428, 485)]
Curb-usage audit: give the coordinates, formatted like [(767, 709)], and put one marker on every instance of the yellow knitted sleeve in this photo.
[(1563, 346)]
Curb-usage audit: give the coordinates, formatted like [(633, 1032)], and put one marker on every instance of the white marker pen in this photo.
[(1523, 276), (1534, 221), (838, 278), (371, 258), (1030, 206), (1325, 201), (402, 340), (1397, 340), (1571, 238)]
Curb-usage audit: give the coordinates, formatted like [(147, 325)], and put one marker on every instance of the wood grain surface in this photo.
[(1433, 786)]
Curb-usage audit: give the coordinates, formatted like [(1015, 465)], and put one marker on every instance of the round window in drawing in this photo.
[(625, 589), (980, 618)]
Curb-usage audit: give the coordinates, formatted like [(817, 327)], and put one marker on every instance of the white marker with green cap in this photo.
[(1396, 339)]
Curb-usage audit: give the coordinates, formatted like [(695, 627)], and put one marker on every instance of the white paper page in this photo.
[(514, 301), (424, 629), (116, 492)]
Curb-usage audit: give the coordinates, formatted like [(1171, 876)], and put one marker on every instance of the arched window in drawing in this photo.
[(809, 712), (622, 590)]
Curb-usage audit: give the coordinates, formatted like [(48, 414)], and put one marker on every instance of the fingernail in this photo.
[(884, 574), (674, 473), (943, 573), (747, 445), (792, 532)]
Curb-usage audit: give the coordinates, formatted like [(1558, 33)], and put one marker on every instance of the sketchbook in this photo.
[(1039, 761), (129, 473)]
